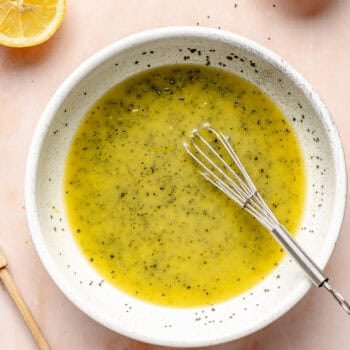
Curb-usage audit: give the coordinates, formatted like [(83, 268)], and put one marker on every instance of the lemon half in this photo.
[(29, 22)]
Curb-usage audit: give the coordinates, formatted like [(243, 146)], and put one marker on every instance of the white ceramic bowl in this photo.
[(284, 287)]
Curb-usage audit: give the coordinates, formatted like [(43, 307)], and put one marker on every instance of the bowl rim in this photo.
[(108, 52)]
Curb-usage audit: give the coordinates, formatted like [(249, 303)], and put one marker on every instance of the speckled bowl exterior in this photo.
[(185, 327)]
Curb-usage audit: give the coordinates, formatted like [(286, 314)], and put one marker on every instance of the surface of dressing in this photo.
[(141, 213)]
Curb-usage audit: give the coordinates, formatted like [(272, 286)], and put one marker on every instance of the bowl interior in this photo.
[(195, 326)]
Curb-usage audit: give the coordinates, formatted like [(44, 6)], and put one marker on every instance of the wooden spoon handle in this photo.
[(23, 308)]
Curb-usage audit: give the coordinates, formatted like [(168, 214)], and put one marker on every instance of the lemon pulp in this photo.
[(29, 22)]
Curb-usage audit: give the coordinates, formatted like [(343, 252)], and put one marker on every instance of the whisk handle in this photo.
[(310, 268), (315, 274)]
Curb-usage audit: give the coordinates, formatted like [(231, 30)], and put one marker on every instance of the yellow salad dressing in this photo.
[(141, 213)]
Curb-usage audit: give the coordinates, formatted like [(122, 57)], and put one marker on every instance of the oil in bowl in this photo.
[(141, 213)]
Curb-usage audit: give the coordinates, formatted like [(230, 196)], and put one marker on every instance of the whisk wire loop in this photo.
[(240, 188), (237, 186)]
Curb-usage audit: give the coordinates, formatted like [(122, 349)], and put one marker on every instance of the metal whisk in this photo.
[(222, 167)]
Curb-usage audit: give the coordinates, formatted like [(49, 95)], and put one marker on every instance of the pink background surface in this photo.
[(313, 36)]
